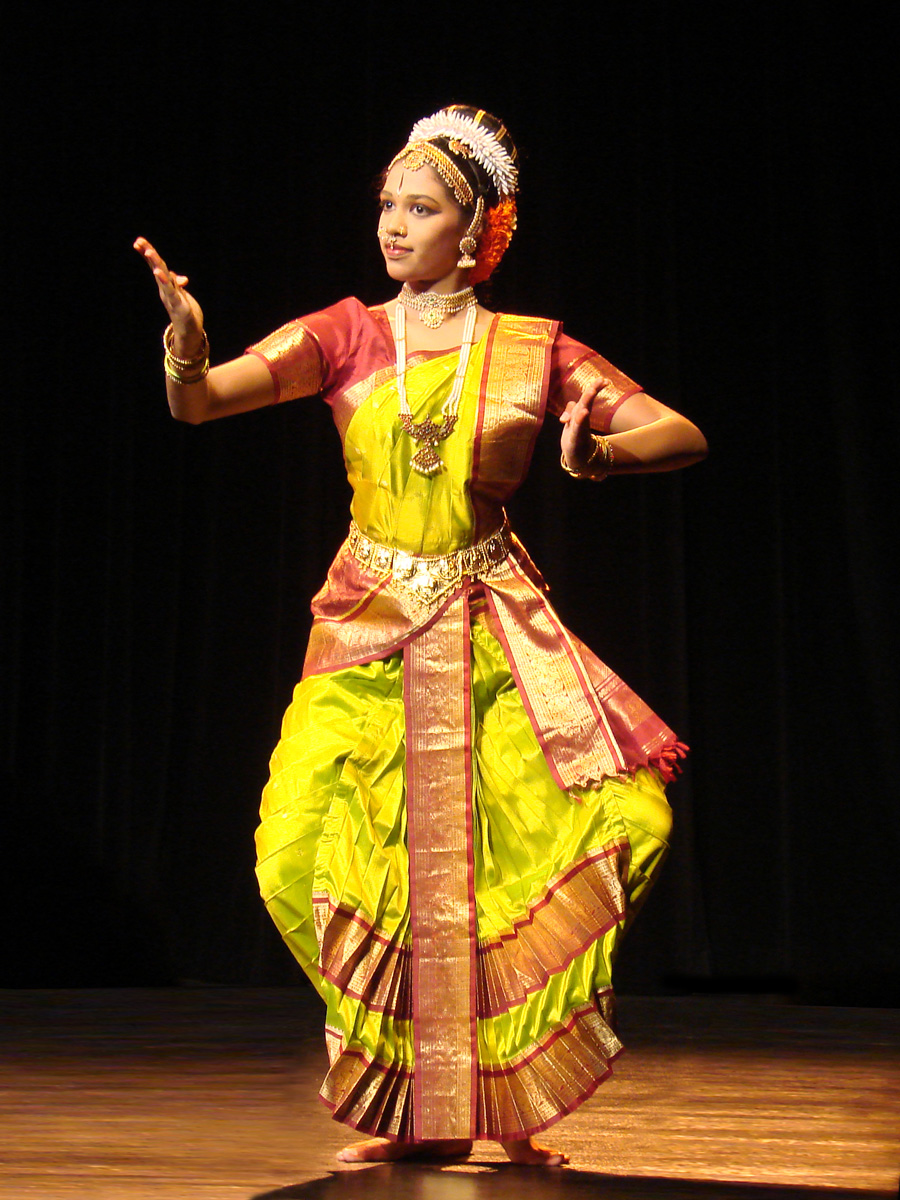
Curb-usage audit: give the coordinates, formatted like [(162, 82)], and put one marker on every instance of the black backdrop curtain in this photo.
[(705, 200)]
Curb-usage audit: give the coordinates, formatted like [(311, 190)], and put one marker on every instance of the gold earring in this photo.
[(468, 243)]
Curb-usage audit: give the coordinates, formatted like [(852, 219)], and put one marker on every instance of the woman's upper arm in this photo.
[(638, 410), (654, 437)]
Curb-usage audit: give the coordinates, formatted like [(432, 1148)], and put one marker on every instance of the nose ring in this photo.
[(390, 238)]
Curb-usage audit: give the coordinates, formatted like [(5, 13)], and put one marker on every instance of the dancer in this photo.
[(466, 806)]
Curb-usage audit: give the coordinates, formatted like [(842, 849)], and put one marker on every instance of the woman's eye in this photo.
[(421, 211), (386, 205)]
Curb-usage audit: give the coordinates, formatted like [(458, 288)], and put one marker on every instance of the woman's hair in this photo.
[(473, 154)]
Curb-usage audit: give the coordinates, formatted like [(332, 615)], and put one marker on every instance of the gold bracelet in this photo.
[(185, 370), (603, 448), (178, 376), (169, 341)]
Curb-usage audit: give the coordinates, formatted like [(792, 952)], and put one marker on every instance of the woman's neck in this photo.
[(446, 337), (455, 282)]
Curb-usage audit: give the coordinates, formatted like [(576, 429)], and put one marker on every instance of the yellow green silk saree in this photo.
[(466, 806)]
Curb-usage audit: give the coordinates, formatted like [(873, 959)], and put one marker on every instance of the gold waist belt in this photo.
[(430, 576)]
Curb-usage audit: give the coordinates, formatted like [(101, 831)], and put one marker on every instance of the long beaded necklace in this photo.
[(427, 434)]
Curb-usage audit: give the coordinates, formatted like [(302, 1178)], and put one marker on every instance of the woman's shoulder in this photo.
[(319, 350), (346, 323), (349, 312)]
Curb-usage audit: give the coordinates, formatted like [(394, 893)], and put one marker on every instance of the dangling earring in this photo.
[(468, 243)]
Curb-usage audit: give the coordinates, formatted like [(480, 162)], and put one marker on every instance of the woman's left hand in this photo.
[(576, 441)]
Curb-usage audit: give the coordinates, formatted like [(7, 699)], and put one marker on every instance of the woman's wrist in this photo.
[(187, 342), (598, 464), (185, 360)]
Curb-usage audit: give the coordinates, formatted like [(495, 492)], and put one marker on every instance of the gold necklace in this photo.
[(432, 307), (427, 434)]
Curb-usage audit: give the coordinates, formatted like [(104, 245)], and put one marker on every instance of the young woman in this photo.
[(466, 806)]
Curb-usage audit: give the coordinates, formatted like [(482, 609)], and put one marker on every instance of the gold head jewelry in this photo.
[(480, 142), (421, 154), (483, 146)]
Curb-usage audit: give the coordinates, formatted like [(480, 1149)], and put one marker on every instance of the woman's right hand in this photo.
[(232, 387), (184, 312)]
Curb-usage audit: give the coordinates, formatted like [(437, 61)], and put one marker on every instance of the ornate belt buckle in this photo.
[(424, 581), (405, 565)]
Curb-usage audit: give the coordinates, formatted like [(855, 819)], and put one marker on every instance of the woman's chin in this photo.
[(400, 269)]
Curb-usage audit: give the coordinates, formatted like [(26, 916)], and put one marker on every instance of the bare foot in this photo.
[(527, 1152), (382, 1150)]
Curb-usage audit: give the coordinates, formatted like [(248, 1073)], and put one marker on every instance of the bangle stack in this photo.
[(599, 465), (185, 370)]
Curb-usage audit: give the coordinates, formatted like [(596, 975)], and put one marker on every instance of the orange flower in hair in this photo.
[(499, 225)]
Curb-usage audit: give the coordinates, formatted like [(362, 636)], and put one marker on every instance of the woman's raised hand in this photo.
[(576, 442), (184, 312)]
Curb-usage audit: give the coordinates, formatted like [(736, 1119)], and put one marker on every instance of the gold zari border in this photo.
[(441, 882), (575, 912), (363, 963), (292, 355), (576, 909), (540, 1086)]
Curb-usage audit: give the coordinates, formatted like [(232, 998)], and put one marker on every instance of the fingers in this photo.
[(577, 411), (184, 312), (576, 441), (157, 265), (149, 253)]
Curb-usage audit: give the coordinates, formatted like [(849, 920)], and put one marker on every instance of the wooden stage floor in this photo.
[(211, 1093)]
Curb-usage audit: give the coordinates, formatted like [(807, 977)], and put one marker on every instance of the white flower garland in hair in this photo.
[(485, 147)]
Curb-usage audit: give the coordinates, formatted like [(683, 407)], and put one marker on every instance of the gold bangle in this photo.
[(185, 370), (196, 361), (602, 448), (174, 373)]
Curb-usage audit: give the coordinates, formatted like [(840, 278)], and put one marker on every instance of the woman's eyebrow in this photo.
[(386, 195)]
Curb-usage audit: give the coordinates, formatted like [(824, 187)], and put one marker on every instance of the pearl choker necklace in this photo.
[(426, 460), (432, 307)]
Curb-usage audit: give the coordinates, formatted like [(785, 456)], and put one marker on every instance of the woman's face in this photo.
[(420, 227)]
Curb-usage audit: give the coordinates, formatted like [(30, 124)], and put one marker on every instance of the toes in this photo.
[(374, 1151), (528, 1154), (555, 1160)]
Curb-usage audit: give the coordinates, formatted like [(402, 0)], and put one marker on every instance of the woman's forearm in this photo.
[(234, 387)]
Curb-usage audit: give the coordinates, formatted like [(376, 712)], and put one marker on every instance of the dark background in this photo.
[(705, 200)]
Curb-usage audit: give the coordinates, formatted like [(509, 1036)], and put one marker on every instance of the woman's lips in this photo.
[(396, 251)]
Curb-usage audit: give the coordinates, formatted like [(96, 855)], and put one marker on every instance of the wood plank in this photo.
[(121, 1094)]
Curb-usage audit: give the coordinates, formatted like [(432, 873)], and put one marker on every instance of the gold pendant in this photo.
[(432, 317), (426, 460)]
